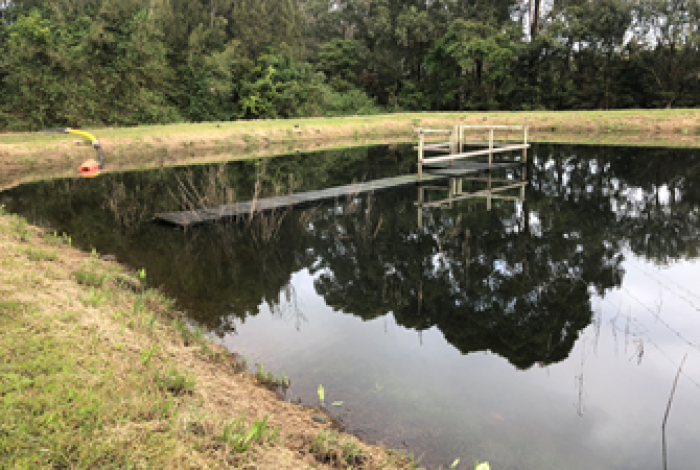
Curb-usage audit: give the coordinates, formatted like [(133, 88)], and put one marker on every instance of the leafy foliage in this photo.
[(129, 62)]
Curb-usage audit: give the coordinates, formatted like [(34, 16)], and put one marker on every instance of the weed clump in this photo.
[(189, 337), (88, 275), (8, 307), (239, 439), (269, 379), (37, 254), (19, 226), (175, 382), (327, 448)]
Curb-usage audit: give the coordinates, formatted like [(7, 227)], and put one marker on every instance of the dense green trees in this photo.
[(92, 62)]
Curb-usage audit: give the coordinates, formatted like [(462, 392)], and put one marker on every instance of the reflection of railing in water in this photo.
[(207, 210), (456, 192)]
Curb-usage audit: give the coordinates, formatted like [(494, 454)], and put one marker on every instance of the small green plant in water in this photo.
[(269, 378), (321, 394)]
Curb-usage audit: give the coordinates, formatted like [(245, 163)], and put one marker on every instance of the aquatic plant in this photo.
[(321, 394), (269, 378)]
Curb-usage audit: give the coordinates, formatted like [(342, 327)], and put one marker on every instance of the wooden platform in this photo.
[(190, 218), (461, 167)]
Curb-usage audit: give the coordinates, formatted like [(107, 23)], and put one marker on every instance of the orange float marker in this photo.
[(89, 169)]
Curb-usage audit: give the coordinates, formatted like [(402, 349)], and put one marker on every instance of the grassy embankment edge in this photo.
[(98, 371), (31, 156)]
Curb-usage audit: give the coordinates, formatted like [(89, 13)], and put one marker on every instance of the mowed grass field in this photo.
[(41, 155), (680, 122)]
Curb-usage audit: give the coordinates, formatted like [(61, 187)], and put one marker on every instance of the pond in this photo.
[(536, 330)]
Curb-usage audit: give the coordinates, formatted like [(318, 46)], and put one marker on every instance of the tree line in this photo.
[(128, 62)]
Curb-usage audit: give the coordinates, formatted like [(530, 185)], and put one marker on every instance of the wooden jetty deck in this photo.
[(190, 218), (436, 169)]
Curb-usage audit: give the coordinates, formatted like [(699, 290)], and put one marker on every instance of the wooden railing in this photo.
[(455, 146)]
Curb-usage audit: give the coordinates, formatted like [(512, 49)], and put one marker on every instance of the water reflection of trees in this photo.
[(488, 280), (514, 280)]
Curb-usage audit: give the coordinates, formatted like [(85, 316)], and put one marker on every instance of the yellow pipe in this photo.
[(87, 135), (95, 144)]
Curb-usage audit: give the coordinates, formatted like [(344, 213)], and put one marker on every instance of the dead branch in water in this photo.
[(668, 408)]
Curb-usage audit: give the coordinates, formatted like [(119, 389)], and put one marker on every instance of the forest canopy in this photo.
[(129, 62)]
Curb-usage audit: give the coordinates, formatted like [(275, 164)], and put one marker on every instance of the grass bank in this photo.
[(37, 154), (98, 371)]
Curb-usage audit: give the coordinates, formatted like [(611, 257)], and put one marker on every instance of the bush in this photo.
[(351, 102)]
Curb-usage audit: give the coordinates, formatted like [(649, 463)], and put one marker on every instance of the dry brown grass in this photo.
[(102, 344)]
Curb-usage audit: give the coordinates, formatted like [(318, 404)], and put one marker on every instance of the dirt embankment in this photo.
[(34, 156), (98, 371)]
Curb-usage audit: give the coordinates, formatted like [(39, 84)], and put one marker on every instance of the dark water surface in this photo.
[(544, 333)]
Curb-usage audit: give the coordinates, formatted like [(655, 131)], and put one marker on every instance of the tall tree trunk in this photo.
[(534, 19)]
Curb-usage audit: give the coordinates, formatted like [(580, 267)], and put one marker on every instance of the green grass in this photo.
[(72, 397), (88, 276), (269, 379), (40, 254), (239, 439), (61, 408), (328, 448), (246, 130), (174, 382)]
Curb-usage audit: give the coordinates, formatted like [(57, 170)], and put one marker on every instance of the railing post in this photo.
[(421, 198), (490, 147), (454, 143), (524, 177), (421, 143), (488, 197), (524, 143)]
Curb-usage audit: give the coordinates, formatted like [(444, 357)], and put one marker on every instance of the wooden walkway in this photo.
[(190, 218)]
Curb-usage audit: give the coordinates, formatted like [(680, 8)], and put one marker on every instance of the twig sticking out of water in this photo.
[(668, 408)]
